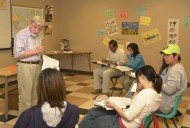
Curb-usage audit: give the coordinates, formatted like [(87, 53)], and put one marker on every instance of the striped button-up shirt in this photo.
[(23, 42)]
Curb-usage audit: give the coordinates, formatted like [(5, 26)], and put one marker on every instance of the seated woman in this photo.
[(147, 99), (136, 61), (52, 109)]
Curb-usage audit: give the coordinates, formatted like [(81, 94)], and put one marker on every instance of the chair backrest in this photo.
[(147, 120), (176, 104), (174, 109)]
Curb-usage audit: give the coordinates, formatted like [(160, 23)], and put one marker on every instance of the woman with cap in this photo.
[(173, 75)]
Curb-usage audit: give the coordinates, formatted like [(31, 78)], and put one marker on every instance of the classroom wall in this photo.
[(80, 21)]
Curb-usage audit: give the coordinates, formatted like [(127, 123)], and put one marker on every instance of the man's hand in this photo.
[(104, 60), (39, 49)]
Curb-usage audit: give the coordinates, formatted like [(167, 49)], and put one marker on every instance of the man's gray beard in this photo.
[(34, 35)]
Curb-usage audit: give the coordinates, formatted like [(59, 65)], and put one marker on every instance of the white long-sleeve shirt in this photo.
[(117, 56), (146, 101)]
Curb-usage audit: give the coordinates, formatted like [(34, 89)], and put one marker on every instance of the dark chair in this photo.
[(114, 82)]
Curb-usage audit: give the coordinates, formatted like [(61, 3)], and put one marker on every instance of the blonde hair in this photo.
[(38, 21)]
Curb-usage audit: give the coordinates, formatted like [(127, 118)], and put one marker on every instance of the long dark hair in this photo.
[(135, 49), (165, 66), (151, 75), (51, 88)]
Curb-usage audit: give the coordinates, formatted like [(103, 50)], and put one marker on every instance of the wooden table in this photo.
[(6, 73), (71, 54)]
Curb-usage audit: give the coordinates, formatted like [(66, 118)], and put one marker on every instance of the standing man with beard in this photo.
[(27, 51)]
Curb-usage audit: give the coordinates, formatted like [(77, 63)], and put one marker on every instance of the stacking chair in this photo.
[(148, 120), (172, 114), (114, 82)]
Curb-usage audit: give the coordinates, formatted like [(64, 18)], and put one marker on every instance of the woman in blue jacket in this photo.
[(136, 61)]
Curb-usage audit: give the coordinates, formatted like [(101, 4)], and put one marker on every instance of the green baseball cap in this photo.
[(171, 48)]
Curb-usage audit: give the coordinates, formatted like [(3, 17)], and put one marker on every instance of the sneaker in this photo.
[(97, 91), (101, 97), (178, 113)]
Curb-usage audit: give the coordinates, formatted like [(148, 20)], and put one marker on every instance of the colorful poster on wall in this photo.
[(123, 14), (151, 36), (2, 4), (173, 31), (49, 13), (130, 28), (186, 21), (145, 20), (48, 30), (141, 10), (111, 27), (101, 32), (109, 13)]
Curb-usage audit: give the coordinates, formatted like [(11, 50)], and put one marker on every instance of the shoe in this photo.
[(101, 97), (97, 91), (107, 94), (178, 113)]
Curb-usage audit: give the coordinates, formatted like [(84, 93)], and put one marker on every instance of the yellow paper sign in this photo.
[(151, 36), (145, 20), (106, 41), (121, 46), (2, 4)]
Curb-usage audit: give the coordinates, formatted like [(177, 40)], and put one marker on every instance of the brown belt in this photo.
[(29, 62)]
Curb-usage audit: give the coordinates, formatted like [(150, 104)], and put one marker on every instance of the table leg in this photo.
[(89, 62), (72, 62), (6, 98)]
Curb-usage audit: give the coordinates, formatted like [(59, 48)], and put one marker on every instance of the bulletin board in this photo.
[(5, 24)]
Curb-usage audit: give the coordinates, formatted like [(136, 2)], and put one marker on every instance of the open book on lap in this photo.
[(121, 102)]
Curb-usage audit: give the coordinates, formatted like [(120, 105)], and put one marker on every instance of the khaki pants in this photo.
[(27, 75), (102, 77)]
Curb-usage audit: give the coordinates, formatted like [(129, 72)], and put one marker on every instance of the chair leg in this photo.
[(166, 123), (176, 118), (174, 122), (114, 83), (121, 91)]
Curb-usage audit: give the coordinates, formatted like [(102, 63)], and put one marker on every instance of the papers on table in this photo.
[(121, 102), (49, 62), (100, 63)]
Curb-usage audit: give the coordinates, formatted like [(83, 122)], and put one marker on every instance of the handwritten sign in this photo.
[(109, 13), (173, 31), (111, 27)]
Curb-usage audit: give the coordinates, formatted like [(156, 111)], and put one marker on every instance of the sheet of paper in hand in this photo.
[(49, 62), (121, 102), (124, 68), (100, 63)]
